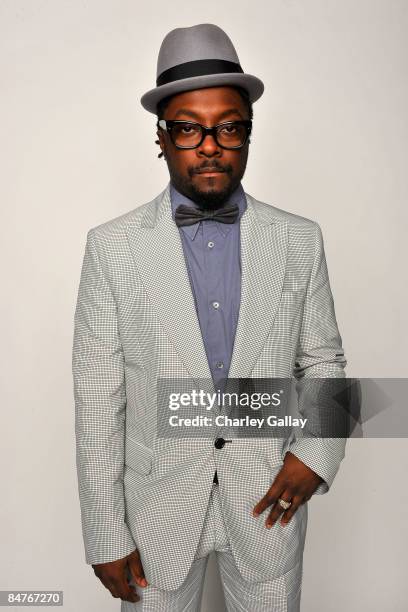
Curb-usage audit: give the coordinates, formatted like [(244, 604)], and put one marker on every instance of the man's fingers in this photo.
[(277, 509), (110, 584), (287, 515), (268, 499), (125, 590), (136, 570), (118, 586), (114, 577)]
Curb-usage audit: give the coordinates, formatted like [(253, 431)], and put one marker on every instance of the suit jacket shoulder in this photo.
[(117, 225)]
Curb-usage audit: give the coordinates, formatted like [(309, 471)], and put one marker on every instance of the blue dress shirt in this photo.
[(212, 252)]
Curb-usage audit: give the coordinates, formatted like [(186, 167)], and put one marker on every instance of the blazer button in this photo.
[(219, 443)]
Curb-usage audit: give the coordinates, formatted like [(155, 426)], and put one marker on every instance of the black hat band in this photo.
[(197, 68)]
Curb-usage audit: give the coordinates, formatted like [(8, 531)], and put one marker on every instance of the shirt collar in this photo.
[(236, 197)]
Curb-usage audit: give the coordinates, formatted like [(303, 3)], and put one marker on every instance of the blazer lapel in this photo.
[(158, 252), (264, 242)]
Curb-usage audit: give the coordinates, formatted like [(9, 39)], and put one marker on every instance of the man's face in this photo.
[(209, 107)]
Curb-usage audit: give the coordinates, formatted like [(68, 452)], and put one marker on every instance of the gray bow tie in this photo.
[(186, 215)]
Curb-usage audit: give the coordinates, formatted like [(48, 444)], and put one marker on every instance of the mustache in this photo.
[(210, 168)]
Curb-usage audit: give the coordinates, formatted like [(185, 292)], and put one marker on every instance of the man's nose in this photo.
[(209, 146)]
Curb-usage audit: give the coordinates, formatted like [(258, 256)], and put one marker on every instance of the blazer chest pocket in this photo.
[(138, 456), (290, 297), (294, 283)]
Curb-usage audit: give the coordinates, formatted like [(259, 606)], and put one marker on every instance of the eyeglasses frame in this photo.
[(167, 125)]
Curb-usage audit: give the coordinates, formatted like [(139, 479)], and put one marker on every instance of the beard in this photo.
[(210, 198)]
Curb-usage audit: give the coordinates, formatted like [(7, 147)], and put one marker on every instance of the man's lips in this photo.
[(209, 171)]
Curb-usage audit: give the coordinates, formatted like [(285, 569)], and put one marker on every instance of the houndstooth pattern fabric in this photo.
[(280, 595), (135, 322), (186, 598)]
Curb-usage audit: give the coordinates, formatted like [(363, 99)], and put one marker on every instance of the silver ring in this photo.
[(284, 504)]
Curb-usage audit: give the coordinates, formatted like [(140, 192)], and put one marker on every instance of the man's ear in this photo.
[(161, 143), (159, 154)]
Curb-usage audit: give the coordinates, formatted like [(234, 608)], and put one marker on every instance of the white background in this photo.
[(77, 149)]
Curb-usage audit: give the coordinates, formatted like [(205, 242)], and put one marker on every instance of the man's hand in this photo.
[(295, 482), (113, 576)]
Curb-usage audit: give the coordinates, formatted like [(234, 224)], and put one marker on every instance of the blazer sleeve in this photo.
[(100, 405), (320, 355)]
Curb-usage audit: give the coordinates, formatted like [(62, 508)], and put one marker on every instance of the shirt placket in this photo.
[(213, 242)]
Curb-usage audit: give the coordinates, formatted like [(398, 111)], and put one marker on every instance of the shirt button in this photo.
[(210, 244), (216, 304), (219, 364), (219, 443)]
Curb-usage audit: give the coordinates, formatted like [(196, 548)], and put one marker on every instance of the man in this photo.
[(202, 282)]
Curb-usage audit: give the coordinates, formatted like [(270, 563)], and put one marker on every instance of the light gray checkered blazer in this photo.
[(135, 321)]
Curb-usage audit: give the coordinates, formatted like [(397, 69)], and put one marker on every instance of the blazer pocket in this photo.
[(293, 283), (290, 297), (138, 456), (294, 291)]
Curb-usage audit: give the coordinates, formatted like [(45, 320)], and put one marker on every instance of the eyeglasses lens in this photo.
[(190, 134)]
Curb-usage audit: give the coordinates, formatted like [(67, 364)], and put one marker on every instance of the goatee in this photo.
[(210, 200)]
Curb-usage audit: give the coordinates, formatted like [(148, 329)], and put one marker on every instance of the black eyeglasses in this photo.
[(190, 135)]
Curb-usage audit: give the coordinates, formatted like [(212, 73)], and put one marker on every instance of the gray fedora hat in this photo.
[(196, 57)]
